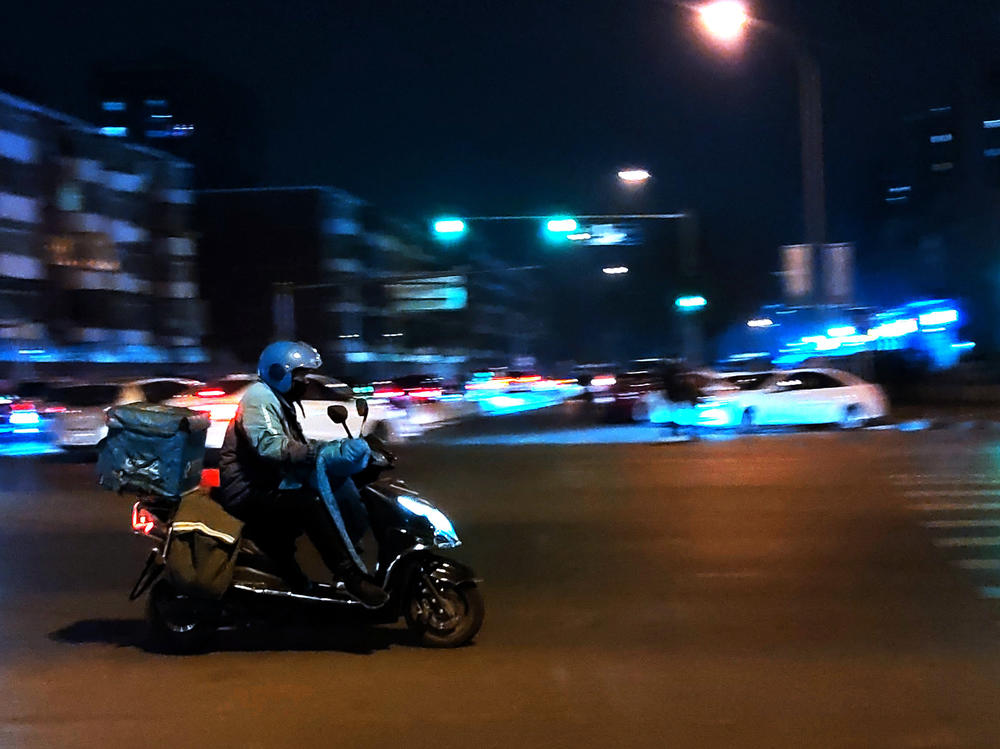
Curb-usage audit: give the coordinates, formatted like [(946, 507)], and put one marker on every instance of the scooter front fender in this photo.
[(438, 568)]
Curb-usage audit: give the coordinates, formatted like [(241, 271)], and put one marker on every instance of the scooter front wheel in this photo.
[(444, 614), (178, 622)]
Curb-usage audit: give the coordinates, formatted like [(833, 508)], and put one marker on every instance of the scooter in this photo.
[(438, 597)]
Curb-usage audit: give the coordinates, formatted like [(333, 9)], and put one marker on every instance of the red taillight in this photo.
[(389, 393), (212, 393), (425, 392), (143, 521), (23, 406), (210, 477), (54, 410)]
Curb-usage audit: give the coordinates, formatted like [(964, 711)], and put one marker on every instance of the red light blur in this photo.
[(425, 392), (210, 478), (54, 410), (212, 393), (143, 520), (390, 393), (23, 406)]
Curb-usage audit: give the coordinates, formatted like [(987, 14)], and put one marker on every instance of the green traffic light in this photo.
[(449, 226), (561, 225)]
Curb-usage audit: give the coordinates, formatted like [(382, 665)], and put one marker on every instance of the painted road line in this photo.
[(914, 493), (962, 524), (956, 506), (949, 543), (979, 564), (944, 477)]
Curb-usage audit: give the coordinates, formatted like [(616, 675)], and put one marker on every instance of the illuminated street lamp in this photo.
[(724, 20), (633, 176)]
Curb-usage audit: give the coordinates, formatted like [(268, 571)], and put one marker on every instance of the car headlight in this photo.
[(716, 417)]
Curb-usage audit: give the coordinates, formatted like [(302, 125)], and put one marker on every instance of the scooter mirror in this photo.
[(362, 406), (337, 414)]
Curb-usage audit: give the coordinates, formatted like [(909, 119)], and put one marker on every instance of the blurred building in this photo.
[(937, 210), (373, 293), (96, 259), (146, 106)]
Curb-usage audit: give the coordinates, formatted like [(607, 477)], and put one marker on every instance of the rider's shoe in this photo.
[(360, 586)]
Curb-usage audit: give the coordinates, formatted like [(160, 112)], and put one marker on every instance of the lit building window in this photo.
[(115, 132), (900, 189), (991, 153), (113, 106), (943, 138), (991, 124)]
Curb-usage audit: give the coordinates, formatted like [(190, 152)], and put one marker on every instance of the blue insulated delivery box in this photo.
[(153, 449)]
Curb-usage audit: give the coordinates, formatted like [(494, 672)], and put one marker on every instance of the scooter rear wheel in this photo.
[(179, 623), (446, 620)]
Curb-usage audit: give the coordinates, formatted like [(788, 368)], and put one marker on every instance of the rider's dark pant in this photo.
[(275, 519)]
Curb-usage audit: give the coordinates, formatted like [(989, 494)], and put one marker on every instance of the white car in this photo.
[(798, 396), (220, 399), (78, 409)]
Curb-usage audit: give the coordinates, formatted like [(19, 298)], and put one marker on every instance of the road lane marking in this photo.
[(949, 543), (941, 478), (955, 506), (979, 564), (914, 493), (961, 524)]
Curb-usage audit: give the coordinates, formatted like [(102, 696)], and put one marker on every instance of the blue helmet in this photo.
[(279, 359)]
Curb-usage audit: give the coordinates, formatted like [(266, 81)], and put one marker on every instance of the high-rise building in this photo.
[(935, 229), (373, 293), (146, 106), (97, 262)]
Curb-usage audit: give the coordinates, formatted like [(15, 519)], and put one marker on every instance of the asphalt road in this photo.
[(793, 590)]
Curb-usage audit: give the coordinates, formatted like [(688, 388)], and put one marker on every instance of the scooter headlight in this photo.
[(444, 531)]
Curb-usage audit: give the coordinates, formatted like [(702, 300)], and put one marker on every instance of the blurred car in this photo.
[(799, 396), (220, 399), (39, 392), (79, 408), (417, 388), (18, 416), (626, 400)]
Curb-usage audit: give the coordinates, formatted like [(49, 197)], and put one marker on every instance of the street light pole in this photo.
[(813, 162), (726, 21)]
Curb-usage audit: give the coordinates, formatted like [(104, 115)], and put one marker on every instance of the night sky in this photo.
[(483, 106)]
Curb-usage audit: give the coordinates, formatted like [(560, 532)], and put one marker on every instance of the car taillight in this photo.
[(23, 414), (389, 393), (143, 521), (211, 393), (425, 392)]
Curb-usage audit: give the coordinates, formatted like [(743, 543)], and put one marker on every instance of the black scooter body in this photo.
[(438, 596)]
